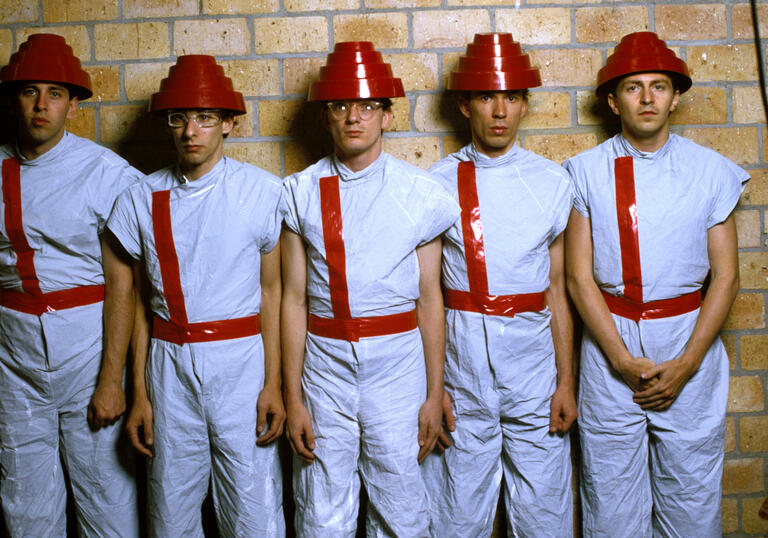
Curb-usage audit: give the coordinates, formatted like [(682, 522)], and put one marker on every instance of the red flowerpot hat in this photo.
[(197, 81), (642, 52), (47, 58), (494, 62), (355, 70)]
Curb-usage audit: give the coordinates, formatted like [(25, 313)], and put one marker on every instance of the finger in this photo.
[(428, 447), (450, 420), (89, 417), (444, 440), (149, 439), (423, 452), (261, 420), (309, 435), (653, 372), (133, 433), (554, 419), (270, 435)]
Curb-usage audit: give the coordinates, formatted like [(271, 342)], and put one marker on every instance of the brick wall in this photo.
[(272, 48)]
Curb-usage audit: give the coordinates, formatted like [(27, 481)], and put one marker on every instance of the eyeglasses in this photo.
[(204, 118), (365, 109)]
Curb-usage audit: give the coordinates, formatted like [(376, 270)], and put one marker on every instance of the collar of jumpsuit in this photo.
[(482, 160), (370, 172)]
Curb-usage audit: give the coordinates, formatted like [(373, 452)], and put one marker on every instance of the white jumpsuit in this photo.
[(645, 472), (364, 394), (53, 209), (204, 393), (500, 369)]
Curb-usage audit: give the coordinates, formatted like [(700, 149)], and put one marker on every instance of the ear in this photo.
[(227, 124), (675, 101), (524, 108), (464, 107), (72, 108), (386, 118), (612, 104)]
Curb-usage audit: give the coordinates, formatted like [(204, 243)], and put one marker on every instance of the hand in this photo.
[(269, 409), (449, 423), (139, 424), (672, 376), (562, 409), (300, 434), (631, 372), (107, 405), (430, 424)]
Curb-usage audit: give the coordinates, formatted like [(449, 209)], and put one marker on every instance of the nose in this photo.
[(190, 128), (41, 103), (646, 94), (353, 115), (499, 109)]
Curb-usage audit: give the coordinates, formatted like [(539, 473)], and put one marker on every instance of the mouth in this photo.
[(39, 122), (648, 113), (192, 148), (499, 129), (353, 133)]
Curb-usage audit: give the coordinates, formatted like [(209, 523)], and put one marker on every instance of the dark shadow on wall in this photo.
[(310, 139)]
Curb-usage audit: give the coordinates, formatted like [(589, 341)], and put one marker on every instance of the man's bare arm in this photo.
[(563, 410), (270, 405), (293, 335), (431, 320), (108, 400)]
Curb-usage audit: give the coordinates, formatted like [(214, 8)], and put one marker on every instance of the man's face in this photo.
[(42, 109), (494, 118), (644, 101), (199, 147), (356, 127)]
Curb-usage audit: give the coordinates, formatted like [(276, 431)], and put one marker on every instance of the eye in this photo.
[(204, 116), (368, 107), (28, 92), (55, 93), (512, 97)]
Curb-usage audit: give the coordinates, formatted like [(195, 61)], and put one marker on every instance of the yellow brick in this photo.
[(765, 144), (401, 120), (538, 26), (730, 434), (741, 20), (488, 3), (748, 228), (567, 67), (753, 434), (756, 192), (753, 270), (742, 475), (701, 105), (547, 110), (593, 111), (218, 37), (131, 41), (105, 81), (417, 71), (722, 62), (609, 24), (454, 142), (690, 21), (398, 4), (76, 37), (243, 123), (738, 144), (750, 521), (253, 77), (730, 515), (754, 352), (298, 73), (143, 9), (747, 312), (385, 30), (130, 123), (559, 147), (730, 343), (747, 106), (301, 153), (238, 7), (79, 10), (84, 123), (295, 34), (143, 79), (296, 118), (6, 45), (321, 5), (438, 29), (450, 63), (419, 151), (265, 155), (18, 11), (745, 394), (438, 113)]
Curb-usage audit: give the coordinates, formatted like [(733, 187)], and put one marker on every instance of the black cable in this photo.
[(760, 64)]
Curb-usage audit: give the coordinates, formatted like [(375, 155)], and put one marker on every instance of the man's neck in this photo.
[(193, 172), (647, 144), (30, 150), (361, 161)]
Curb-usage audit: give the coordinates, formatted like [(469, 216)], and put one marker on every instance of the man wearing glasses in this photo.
[(204, 234), (363, 323), (58, 374)]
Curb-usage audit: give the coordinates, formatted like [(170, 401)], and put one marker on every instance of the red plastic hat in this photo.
[(47, 58), (197, 81), (638, 53), (355, 70), (494, 62)]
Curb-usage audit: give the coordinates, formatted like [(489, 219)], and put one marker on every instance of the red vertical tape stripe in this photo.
[(14, 227), (166, 256), (626, 211), (472, 229), (333, 237)]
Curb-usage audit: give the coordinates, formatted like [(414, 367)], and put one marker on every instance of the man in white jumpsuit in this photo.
[(509, 350), (57, 192), (204, 234), (652, 221), (361, 247)]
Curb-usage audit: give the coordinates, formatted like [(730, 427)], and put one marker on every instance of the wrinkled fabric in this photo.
[(204, 395), (364, 396), (650, 473), (49, 364), (500, 371)]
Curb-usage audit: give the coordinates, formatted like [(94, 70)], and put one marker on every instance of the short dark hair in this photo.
[(386, 102), (468, 94)]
